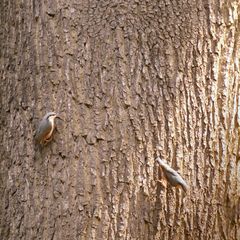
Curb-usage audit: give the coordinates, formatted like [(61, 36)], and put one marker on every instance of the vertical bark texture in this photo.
[(132, 79)]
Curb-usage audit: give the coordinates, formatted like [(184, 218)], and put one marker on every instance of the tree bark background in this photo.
[(133, 79)]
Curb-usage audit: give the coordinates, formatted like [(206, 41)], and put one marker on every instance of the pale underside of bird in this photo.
[(172, 176)]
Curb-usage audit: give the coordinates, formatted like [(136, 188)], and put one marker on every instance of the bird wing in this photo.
[(43, 129), (172, 176)]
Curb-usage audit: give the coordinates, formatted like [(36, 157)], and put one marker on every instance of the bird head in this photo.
[(51, 116)]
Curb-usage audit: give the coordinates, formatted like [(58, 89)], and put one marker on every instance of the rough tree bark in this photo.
[(133, 79)]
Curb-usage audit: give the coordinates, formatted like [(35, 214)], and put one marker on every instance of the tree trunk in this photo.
[(133, 80)]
